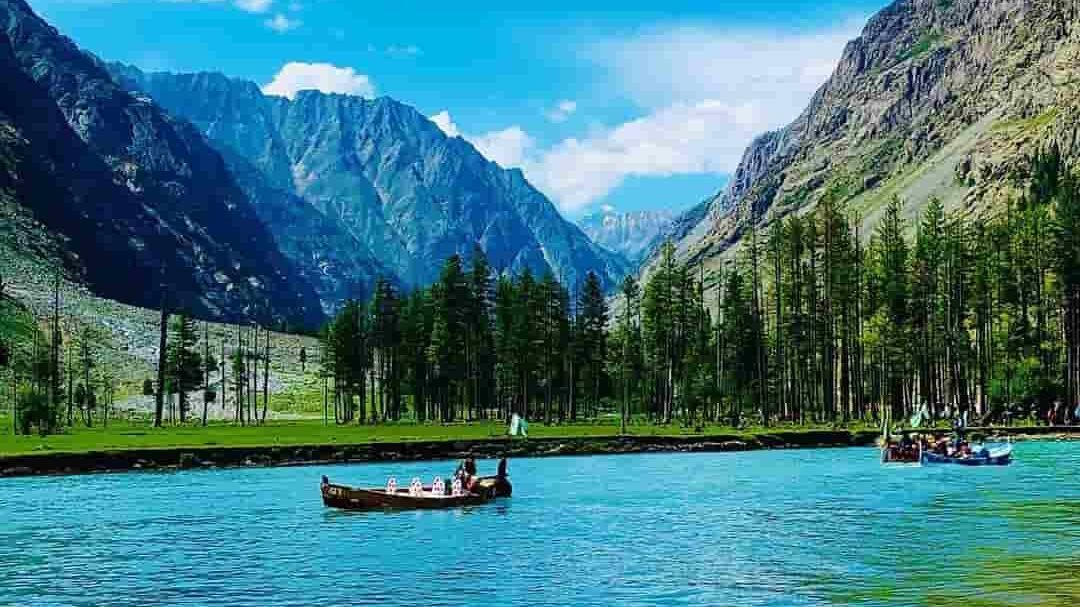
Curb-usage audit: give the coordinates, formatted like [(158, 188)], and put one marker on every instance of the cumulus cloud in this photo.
[(704, 137), (254, 6), (446, 123), (296, 76), (281, 24), (561, 111), (778, 71), (509, 147), (703, 95)]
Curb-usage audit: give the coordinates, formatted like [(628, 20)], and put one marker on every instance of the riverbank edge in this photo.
[(179, 458)]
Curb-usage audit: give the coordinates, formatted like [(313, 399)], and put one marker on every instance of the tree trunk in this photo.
[(163, 333)]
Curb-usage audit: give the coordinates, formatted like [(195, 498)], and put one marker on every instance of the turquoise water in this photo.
[(811, 527)]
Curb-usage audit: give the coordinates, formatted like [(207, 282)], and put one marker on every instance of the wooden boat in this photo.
[(892, 453), (392, 497), (899, 446), (989, 455), (352, 498)]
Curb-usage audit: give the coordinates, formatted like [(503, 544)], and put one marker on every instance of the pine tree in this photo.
[(628, 347), (162, 370), (386, 341), (592, 339), (480, 340), (891, 256), (416, 325), (658, 328), (450, 297), (88, 402), (183, 362)]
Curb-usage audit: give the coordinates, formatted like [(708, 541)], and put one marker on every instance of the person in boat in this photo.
[(470, 479), (941, 447), (901, 447), (965, 450), (466, 473)]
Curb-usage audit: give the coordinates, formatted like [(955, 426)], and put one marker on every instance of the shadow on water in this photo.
[(500, 508), (984, 578)]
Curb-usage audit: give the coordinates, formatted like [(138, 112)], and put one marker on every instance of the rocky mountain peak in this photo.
[(934, 98), (138, 196), (628, 233), (387, 176)]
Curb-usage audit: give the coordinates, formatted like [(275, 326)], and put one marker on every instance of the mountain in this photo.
[(384, 173), (629, 234), (936, 98), (137, 197)]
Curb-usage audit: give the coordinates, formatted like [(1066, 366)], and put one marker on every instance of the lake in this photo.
[(807, 527)]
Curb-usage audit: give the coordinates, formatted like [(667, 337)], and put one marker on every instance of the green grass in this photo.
[(922, 46), (1035, 124), (139, 435)]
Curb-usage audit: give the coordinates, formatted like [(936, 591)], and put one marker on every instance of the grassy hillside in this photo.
[(124, 338)]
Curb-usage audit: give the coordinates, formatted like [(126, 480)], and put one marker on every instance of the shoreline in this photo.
[(181, 458), (212, 457)]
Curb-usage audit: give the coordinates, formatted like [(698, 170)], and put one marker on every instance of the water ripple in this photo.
[(816, 527)]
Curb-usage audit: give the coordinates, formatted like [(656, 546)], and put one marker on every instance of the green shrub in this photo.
[(37, 413)]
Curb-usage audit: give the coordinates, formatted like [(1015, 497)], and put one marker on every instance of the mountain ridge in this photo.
[(628, 233), (386, 174), (138, 197), (935, 98)]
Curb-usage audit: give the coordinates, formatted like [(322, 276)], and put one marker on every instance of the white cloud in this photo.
[(254, 6), (509, 147), (562, 111), (295, 77), (705, 137), (248, 6), (704, 95), (281, 24), (777, 71), (446, 123)]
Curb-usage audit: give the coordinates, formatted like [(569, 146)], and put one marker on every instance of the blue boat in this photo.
[(987, 455)]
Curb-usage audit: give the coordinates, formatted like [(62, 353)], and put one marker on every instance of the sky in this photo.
[(630, 104)]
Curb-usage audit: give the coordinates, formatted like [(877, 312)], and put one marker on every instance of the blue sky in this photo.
[(629, 104)]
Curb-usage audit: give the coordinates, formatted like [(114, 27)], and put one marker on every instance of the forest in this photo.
[(950, 314), (808, 322)]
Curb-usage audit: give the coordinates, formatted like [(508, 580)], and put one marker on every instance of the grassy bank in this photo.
[(126, 435)]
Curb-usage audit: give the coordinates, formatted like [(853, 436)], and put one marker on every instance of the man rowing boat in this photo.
[(472, 483)]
